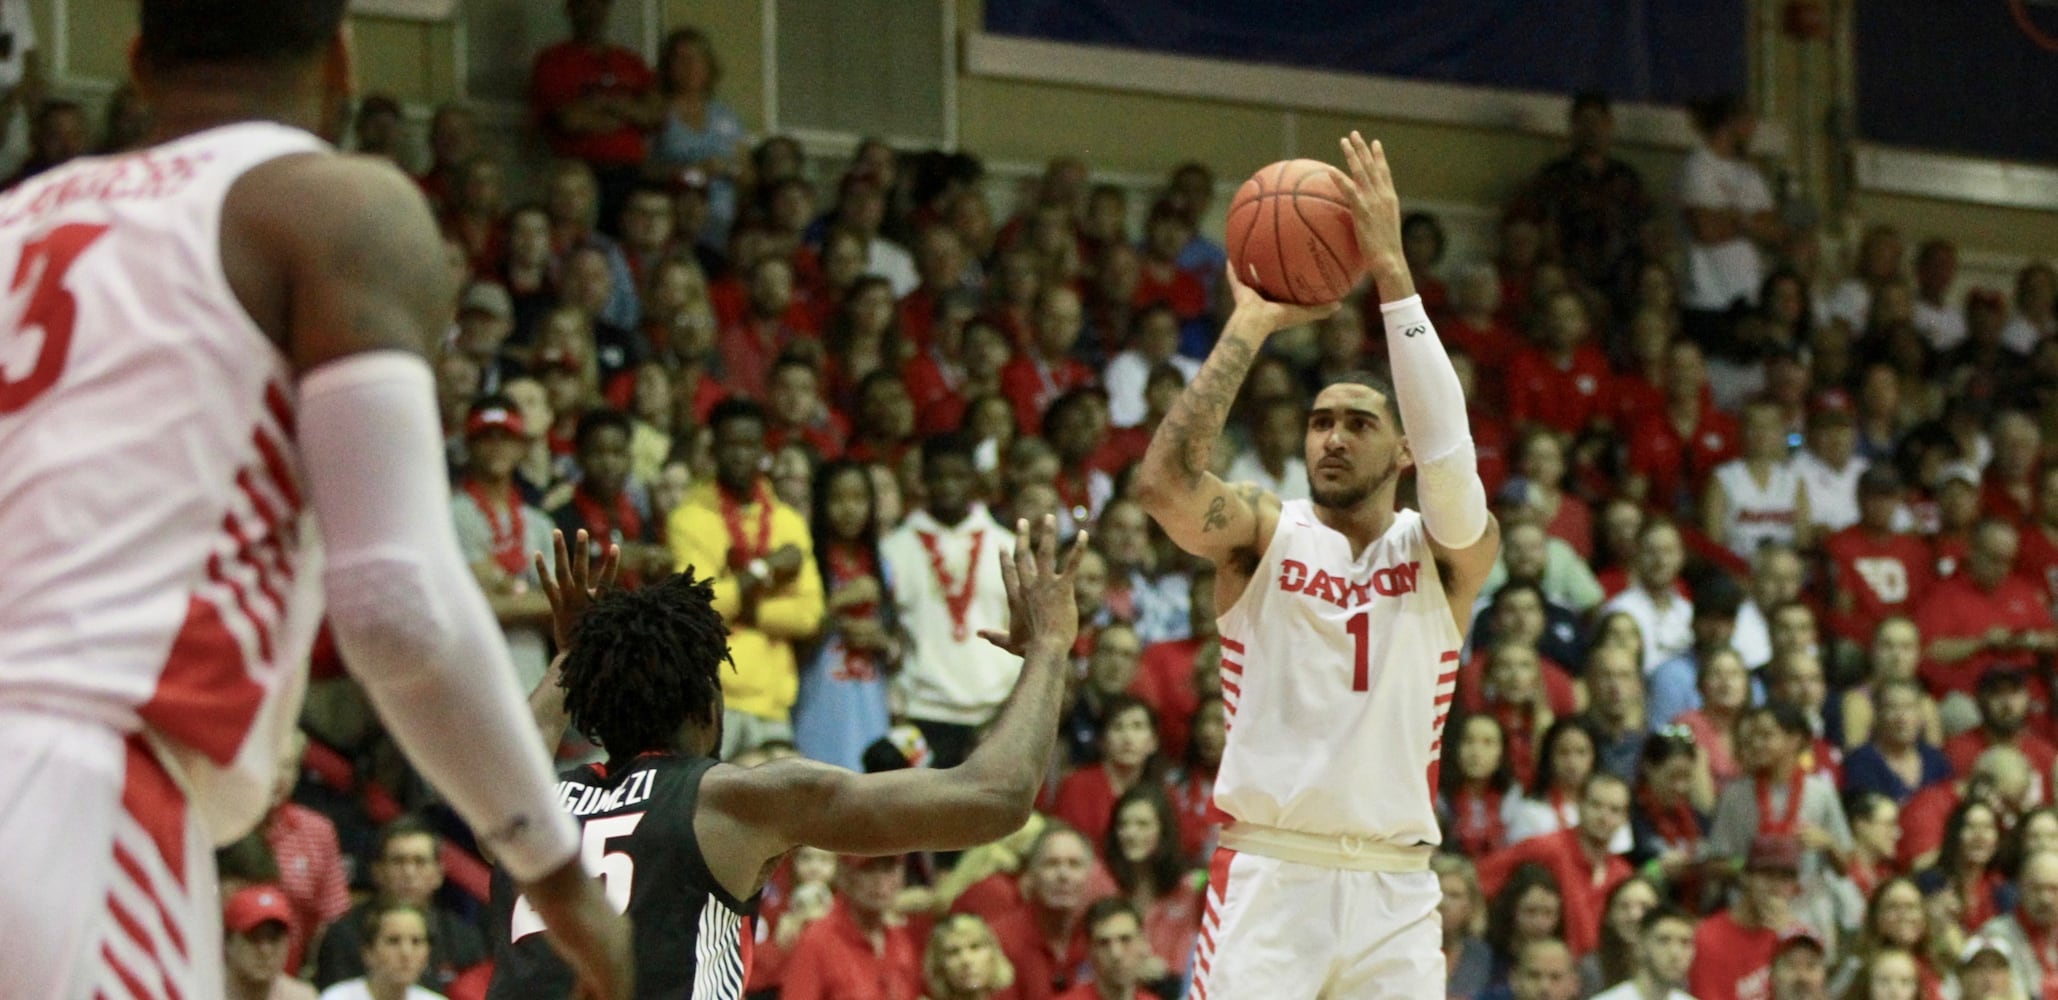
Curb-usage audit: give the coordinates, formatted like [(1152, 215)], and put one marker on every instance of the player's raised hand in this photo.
[(1376, 209), (1041, 603), (1268, 316), (572, 590)]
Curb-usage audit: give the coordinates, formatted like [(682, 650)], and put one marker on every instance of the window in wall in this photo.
[(867, 67)]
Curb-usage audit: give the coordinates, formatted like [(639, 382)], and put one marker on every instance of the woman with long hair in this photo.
[(864, 338), (699, 132), (1466, 956), (841, 708), (1142, 852), (1968, 865), (1472, 784), (1530, 907), (1896, 920), (1564, 760), (1621, 924), (964, 962), (1725, 692)]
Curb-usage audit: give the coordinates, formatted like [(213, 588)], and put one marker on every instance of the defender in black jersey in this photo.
[(683, 843)]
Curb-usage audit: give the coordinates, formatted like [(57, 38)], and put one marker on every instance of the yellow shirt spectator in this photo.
[(704, 530)]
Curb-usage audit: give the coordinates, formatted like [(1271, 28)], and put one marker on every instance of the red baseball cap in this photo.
[(252, 906), (493, 417)]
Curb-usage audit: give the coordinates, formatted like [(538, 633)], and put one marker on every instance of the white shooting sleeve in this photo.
[(408, 615), (1432, 408)]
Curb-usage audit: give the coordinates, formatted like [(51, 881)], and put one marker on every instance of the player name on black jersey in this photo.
[(581, 799)]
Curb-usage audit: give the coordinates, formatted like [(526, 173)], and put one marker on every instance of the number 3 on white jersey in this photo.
[(617, 870)]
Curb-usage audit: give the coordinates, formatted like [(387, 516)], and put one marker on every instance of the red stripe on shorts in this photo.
[(1231, 644)]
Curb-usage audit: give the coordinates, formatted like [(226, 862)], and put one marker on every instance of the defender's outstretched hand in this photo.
[(572, 590), (1041, 603)]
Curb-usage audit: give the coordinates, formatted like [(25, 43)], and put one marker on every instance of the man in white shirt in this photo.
[(1154, 340), (1829, 464), (1936, 267), (1664, 953), (944, 564), (1665, 616), (1776, 576), (1728, 211), (1272, 460)]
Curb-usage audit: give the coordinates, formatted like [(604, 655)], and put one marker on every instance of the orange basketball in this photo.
[(1290, 234)]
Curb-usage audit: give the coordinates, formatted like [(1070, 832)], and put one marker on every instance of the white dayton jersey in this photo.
[(161, 568), (1758, 514), (1338, 673)]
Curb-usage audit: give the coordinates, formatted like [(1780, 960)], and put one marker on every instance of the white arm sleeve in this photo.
[(1432, 408), (408, 615)]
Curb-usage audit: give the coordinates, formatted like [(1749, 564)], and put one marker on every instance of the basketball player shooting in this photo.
[(1340, 635), (207, 345)]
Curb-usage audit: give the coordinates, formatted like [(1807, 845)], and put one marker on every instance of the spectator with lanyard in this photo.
[(609, 504), (497, 530)]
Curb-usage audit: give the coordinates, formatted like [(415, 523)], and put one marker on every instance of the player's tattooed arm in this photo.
[(1193, 425)]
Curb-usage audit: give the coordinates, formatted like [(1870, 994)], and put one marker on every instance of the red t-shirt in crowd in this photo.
[(303, 842), (1963, 751), (826, 437), (569, 72), (1881, 575), (1086, 801), (748, 349), (1193, 802), (917, 311), (1040, 972), (1958, 608), (1632, 399), (1951, 548), (1678, 466), (1922, 822), (1174, 287), (1091, 991), (2037, 561), (1731, 961), (1032, 384), (834, 960), (1584, 894), (1164, 680), (1564, 399)]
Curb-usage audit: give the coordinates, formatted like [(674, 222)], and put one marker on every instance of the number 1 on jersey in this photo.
[(1360, 628)]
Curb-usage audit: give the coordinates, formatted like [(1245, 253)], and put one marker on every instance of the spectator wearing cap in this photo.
[(1986, 617), (760, 556), (1897, 761), (1117, 950), (1664, 953), (2029, 935), (1829, 463), (498, 531), (698, 131), (596, 101), (407, 871), (485, 319), (1800, 967), (1580, 858), (2004, 701), (1044, 936), (1875, 571), (1986, 970), (1046, 370), (310, 860), (1735, 950), (255, 940), (862, 950), (1777, 795)]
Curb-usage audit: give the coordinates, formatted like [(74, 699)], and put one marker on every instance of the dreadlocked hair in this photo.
[(645, 662)]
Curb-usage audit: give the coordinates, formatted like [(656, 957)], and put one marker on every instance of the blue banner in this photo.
[(1658, 51), (1964, 76)]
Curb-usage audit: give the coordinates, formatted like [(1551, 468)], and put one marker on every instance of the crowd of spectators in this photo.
[(1757, 706)]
